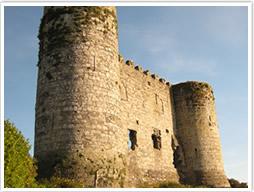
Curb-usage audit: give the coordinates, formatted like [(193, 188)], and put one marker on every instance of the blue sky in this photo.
[(177, 43)]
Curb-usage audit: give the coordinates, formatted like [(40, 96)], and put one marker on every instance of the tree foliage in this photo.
[(19, 167)]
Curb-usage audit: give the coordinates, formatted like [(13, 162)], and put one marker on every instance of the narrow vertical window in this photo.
[(156, 98), (132, 143), (94, 63), (196, 152)]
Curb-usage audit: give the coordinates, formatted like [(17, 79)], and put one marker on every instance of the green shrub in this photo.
[(236, 184), (19, 167)]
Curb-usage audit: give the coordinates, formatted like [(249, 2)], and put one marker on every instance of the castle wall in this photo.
[(77, 133), (108, 123), (197, 133), (146, 108)]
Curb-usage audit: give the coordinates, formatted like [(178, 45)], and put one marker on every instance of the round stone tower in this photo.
[(197, 133), (77, 129)]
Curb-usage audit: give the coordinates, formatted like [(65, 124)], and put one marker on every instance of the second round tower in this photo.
[(198, 135)]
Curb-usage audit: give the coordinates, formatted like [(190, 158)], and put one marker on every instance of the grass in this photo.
[(169, 185)]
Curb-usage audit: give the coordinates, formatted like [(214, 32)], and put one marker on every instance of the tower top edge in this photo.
[(193, 85), (48, 9)]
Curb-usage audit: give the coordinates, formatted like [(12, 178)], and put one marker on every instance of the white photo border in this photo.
[(247, 3)]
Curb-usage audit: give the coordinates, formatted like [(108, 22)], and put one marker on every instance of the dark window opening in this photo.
[(167, 131), (196, 152), (156, 98), (210, 121), (94, 63), (156, 137), (132, 143), (80, 155), (49, 76), (137, 122), (149, 83)]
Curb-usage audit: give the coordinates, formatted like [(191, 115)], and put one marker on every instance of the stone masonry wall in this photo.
[(77, 133), (108, 123), (197, 133), (146, 108)]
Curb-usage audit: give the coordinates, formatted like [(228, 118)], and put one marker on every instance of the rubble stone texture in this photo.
[(108, 123)]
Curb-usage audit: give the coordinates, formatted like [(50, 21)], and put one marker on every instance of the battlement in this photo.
[(142, 71)]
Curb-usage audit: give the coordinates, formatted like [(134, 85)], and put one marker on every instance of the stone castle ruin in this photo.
[(108, 123)]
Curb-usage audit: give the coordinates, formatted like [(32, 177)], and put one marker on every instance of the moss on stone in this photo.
[(79, 18), (61, 35)]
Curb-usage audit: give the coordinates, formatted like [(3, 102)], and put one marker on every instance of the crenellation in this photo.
[(147, 72), (108, 123), (130, 63), (162, 80), (120, 59), (139, 68), (154, 76)]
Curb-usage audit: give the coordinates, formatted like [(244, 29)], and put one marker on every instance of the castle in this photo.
[(108, 123)]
